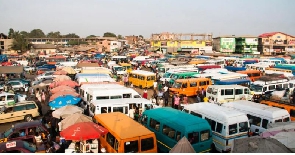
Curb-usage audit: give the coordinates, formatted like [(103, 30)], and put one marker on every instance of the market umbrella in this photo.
[(69, 70), (63, 93), (83, 131), (60, 72), (63, 101), (73, 119), (62, 88), (59, 78), (66, 111), (69, 83)]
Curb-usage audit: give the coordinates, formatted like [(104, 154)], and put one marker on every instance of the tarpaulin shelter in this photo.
[(11, 69), (183, 146)]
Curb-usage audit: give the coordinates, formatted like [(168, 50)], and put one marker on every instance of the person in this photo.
[(59, 126), (155, 95), (160, 86), (205, 99), (145, 94), (43, 97), (185, 99), (38, 138), (165, 88), (131, 112), (155, 85), (39, 105), (22, 133), (166, 98), (176, 102), (38, 95)]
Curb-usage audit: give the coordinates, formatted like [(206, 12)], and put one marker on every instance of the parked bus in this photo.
[(168, 75), (91, 79), (122, 105), (125, 135), (189, 87), (287, 67), (127, 67), (243, 82), (142, 79), (228, 93), (120, 59), (259, 115), (181, 75), (258, 66), (203, 68), (229, 76), (55, 59), (279, 70), (226, 124), (287, 106), (288, 75), (252, 74), (170, 125)]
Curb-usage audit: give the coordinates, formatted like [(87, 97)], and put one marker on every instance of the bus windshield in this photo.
[(167, 75), (177, 85), (256, 88)]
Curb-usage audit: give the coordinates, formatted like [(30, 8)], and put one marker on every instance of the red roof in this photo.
[(271, 34)]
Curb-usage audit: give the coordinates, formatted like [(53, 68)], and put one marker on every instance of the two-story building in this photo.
[(247, 45), (276, 43), (43, 49), (224, 44), (5, 42)]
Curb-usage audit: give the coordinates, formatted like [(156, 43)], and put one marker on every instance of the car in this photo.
[(51, 67), (24, 131), (24, 81), (45, 75), (38, 81), (29, 68), (42, 70), (19, 146), (40, 63), (17, 85)]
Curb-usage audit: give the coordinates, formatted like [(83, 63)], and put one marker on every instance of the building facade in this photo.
[(246, 45), (276, 43), (115, 46), (224, 44), (171, 42), (5, 42), (43, 49)]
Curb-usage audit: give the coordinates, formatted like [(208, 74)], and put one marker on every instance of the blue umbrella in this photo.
[(63, 101)]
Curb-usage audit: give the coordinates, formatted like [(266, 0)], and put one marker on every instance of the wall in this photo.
[(251, 41), (114, 45), (227, 45), (5, 44)]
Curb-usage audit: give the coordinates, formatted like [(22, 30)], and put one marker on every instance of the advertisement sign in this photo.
[(292, 42), (251, 41), (11, 144)]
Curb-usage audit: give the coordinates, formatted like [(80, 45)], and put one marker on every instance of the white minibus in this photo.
[(227, 124), (259, 115)]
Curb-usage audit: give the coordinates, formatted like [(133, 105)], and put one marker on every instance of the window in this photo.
[(264, 123), (152, 78), (256, 74), (222, 91), (144, 119), (196, 114), (116, 97), (292, 113), (126, 95), (112, 141), (209, 90), (285, 85), (205, 135), (219, 127), (254, 120), (178, 136), (168, 131), (184, 85), (154, 124), (213, 125), (243, 126), (233, 129), (118, 109), (271, 87), (238, 91), (264, 89), (131, 147), (287, 119), (103, 110), (147, 144), (136, 96), (246, 91), (291, 85), (134, 75), (148, 78), (278, 120), (102, 97), (202, 83), (19, 108), (229, 91), (193, 84), (30, 106), (193, 137), (10, 97)]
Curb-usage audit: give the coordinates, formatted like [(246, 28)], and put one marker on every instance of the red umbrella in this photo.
[(63, 93), (62, 88), (83, 131)]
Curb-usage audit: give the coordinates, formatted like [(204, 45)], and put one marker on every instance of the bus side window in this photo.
[(264, 89), (213, 125), (111, 140), (246, 91), (264, 123), (178, 136), (219, 127), (144, 119), (222, 91), (193, 137), (292, 113), (152, 77), (193, 84), (291, 85), (184, 85), (154, 124)]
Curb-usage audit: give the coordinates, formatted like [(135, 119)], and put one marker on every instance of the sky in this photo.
[(145, 17)]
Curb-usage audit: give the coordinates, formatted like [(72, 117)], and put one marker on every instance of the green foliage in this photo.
[(120, 36), (91, 36), (109, 34), (19, 42), (140, 36), (54, 35), (37, 33), (76, 42), (71, 35), (10, 33)]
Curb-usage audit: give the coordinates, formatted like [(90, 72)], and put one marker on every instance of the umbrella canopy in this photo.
[(69, 70), (286, 138), (63, 101), (60, 72), (63, 93), (73, 119), (258, 144), (66, 111), (59, 78), (183, 146), (62, 88), (69, 83), (83, 131)]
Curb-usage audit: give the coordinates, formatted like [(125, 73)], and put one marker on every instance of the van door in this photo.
[(19, 112), (3, 100)]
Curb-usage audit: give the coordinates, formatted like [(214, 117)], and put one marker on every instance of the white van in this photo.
[(259, 115), (83, 91), (111, 93), (107, 106), (228, 93), (7, 99), (83, 80), (225, 122)]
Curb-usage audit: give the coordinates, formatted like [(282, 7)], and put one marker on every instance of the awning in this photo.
[(11, 69)]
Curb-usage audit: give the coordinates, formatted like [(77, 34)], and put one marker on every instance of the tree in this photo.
[(37, 33), (109, 34), (10, 33), (120, 36), (91, 36), (25, 34), (19, 42), (71, 35), (54, 35), (140, 36)]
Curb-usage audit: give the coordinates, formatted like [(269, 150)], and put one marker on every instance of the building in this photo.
[(115, 46), (276, 43), (190, 42), (247, 45), (43, 49), (224, 44), (5, 42), (132, 39)]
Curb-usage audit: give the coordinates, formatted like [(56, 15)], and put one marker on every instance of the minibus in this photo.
[(125, 135), (227, 124), (142, 79), (170, 125), (259, 115), (252, 74), (189, 87), (228, 93)]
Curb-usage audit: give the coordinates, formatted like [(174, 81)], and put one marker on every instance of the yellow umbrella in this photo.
[(69, 70)]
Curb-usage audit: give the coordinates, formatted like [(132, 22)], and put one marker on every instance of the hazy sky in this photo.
[(135, 17)]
